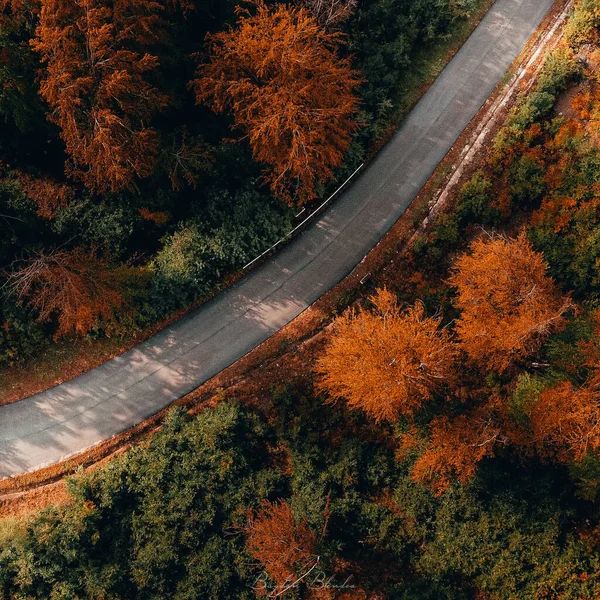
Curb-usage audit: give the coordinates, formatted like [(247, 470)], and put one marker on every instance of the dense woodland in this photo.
[(444, 442)]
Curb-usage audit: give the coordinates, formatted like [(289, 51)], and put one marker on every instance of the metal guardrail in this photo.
[(315, 212)]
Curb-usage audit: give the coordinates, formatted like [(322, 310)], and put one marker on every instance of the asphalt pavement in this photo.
[(73, 416)]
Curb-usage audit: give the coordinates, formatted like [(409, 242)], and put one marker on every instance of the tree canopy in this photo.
[(508, 303), (387, 362), (279, 75)]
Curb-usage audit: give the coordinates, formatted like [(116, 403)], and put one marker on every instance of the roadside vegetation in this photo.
[(443, 443), (149, 149)]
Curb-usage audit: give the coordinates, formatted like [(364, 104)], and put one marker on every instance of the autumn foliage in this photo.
[(285, 549), (387, 362), (74, 286), (48, 195), (96, 82), (279, 75), (17, 9), (508, 303), (456, 447), (565, 422)]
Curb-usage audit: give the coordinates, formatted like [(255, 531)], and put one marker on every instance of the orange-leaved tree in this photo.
[(96, 83), (387, 362), (73, 286), (508, 302), (17, 9), (48, 195), (279, 75), (284, 548), (456, 447), (565, 421)]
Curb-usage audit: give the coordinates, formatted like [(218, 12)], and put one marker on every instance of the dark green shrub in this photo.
[(21, 338), (475, 202), (526, 181)]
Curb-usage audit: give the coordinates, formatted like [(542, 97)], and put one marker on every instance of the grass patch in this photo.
[(430, 60)]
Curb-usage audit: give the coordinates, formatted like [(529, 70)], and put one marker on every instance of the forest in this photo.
[(443, 442)]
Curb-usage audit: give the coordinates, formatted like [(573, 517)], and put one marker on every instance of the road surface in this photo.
[(72, 417)]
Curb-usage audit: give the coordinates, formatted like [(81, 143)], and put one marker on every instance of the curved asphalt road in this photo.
[(74, 416)]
